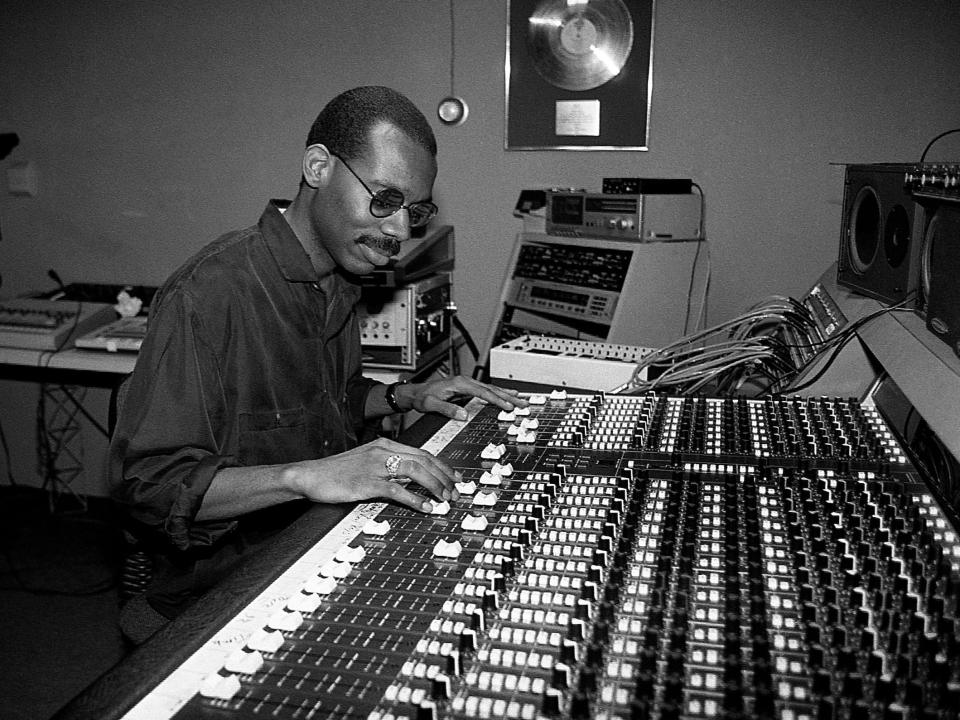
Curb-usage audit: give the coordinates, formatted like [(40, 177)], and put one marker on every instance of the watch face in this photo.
[(452, 110)]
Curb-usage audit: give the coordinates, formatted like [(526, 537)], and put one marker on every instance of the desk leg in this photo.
[(60, 442)]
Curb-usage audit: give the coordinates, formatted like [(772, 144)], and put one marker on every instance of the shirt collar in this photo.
[(292, 259)]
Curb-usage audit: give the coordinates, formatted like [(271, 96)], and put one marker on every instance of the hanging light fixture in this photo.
[(452, 109)]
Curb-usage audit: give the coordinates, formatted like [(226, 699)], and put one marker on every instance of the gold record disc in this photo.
[(579, 46)]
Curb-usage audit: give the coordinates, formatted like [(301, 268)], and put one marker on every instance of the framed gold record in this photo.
[(578, 74)]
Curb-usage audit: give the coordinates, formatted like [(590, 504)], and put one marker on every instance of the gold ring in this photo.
[(392, 464)]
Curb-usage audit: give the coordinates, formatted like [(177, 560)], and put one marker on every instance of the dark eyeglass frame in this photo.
[(386, 202)]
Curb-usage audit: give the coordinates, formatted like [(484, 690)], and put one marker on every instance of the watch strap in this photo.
[(391, 396)]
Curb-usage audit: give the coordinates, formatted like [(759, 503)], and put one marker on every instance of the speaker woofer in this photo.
[(940, 266), (896, 236), (864, 230), (878, 242)]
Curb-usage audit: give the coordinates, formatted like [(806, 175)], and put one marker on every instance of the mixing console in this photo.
[(617, 557)]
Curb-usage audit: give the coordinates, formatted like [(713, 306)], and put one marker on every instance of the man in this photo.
[(248, 394)]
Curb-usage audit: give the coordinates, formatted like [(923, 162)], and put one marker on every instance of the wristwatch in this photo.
[(391, 396)]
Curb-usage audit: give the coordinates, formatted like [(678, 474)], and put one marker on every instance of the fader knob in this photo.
[(426, 710), (561, 676), (896, 712), (551, 703), (815, 656), (575, 629), (440, 688), (468, 641), (453, 663), (885, 688)]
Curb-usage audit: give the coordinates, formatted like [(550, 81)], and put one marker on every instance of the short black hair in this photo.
[(344, 124)]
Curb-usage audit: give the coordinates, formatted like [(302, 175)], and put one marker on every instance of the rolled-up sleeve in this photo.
[(168, 445)]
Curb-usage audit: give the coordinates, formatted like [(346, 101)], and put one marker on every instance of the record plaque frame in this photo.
[(560, 93)]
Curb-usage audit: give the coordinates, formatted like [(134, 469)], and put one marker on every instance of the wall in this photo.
[(156, 126)]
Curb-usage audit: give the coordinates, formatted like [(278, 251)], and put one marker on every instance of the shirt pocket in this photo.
[(279, 436)]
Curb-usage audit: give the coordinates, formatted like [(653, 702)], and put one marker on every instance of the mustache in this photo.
[(383, 245)]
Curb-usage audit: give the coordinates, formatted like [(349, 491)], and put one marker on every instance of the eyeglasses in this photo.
[(388, 201)]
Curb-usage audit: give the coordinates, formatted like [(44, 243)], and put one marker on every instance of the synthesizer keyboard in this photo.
[(615, 557), (566, 362), (124, 334), (38, 324)]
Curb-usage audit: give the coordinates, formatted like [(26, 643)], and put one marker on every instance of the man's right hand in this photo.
[(363, 474)]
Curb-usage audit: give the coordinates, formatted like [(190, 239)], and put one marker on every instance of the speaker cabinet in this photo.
[(877, 245), (939, 292)]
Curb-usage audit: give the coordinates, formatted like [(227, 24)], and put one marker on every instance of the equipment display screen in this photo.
[(612, 204), (565, 296), (567, 209)]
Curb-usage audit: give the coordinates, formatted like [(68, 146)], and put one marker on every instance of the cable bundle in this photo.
[(758, 352)]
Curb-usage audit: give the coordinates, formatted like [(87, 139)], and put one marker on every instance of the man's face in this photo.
[(345, 229)]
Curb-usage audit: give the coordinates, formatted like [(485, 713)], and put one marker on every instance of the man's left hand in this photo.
[(435, 396)]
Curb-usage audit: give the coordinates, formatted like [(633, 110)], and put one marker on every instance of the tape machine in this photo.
[(638, 217)]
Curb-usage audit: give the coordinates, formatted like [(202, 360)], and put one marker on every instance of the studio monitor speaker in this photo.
[(939, 292), (877, 243)]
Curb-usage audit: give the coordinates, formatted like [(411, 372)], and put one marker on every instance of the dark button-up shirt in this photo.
[(247, 361)]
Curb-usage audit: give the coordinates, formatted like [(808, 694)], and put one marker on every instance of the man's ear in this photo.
[(316, 165)]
